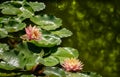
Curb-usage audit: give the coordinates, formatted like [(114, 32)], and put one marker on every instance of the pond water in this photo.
[(96, 32)]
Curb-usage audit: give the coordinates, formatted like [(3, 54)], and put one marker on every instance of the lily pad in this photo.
[(69, 74), (91, 74), (27, 76), (15, 26), (50, 61), (54, 72), (47, 22), (62, 33), (11, 10), (3, 47), (3, 33), (37, 6), (25, 13), (48, 40), (19, 58), (65, 52)]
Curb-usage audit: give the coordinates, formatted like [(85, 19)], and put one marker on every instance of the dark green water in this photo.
[(96, 31)]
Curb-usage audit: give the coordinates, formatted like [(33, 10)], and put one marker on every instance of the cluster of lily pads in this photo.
[(30, 43)]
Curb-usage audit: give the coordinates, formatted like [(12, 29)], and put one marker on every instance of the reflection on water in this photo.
[(96, 31)]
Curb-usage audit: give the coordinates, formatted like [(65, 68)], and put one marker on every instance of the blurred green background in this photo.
[(96, 31)]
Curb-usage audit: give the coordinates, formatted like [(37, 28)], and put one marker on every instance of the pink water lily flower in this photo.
[(72, 65), (32, 33)]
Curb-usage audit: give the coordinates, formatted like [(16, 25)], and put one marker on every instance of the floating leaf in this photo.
[(10, 59), (19, 58), (4, 20), (65, 52), (8, 73), (62, 33), (12, 24), (54, 72), (89, 74), (3, 47), (15, 26), (47, 41), (27, 76), (25, 13), (50, 61), (27, 58), (47, 22), (11, 10), (5, 5), (93, 74), (3, 33), (69, 74), (6, 66), (37, 6)]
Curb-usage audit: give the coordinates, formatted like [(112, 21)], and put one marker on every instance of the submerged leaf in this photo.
[(47, 22)]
